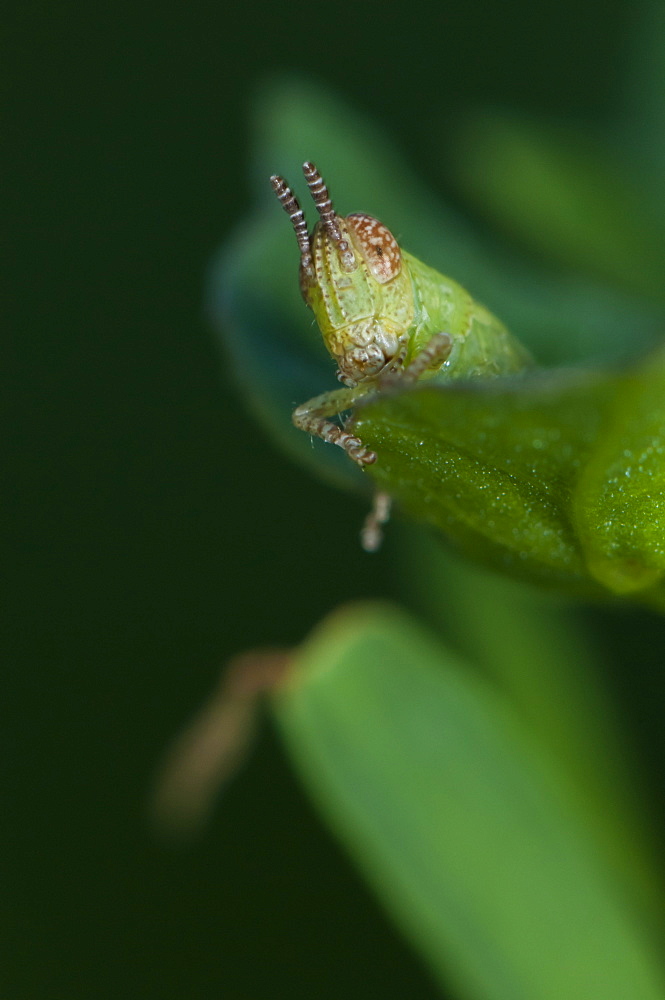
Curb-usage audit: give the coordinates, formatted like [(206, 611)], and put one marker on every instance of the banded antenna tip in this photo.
[(291, 206), (323, 202)]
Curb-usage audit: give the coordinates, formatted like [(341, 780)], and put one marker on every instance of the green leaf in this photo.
[(528, 473), (539, 652), (459, 821), (620, 500)]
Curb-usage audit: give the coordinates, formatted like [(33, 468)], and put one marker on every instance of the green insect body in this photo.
[(386, 318), (481, 344)]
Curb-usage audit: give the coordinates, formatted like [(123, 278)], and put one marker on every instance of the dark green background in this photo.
[(153, 532)]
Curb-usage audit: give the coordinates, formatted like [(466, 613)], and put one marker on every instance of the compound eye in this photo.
[(378, 246)]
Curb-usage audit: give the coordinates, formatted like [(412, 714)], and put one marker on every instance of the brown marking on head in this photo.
[(377, 245)]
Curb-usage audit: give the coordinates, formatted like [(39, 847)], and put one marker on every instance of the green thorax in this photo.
[(482, 345)]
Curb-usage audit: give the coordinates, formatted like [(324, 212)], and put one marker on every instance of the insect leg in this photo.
[(433, 354), (371, 534), (312, 418)]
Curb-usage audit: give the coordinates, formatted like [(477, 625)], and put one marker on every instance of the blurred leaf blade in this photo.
[(565, 196), (534, 647), (456, 819)]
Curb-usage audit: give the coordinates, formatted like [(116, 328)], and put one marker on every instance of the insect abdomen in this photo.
[(486, 348)]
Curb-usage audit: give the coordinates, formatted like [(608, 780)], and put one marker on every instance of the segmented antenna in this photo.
[(289, 203), (327, 214), (323, 203)]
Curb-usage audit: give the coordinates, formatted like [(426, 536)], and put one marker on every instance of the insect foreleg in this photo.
[(432, 355), (312, 418)]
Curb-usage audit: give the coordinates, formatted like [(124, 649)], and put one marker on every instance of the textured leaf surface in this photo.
[(529, 474), (620, 502), (458, 820)]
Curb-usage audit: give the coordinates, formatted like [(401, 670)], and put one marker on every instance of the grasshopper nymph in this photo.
[(385, 317)]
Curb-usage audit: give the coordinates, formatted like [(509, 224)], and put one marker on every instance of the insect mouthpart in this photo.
[(364, 351)]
